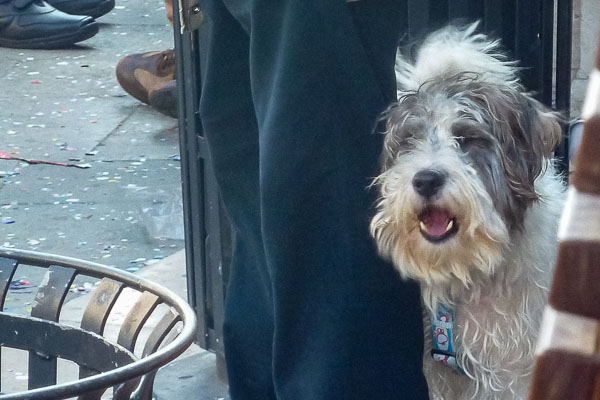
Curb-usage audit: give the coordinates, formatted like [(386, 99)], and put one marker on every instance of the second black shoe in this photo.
[(33, 24), (93, 8)]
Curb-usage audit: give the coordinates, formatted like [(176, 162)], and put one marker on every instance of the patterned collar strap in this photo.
[(442, 327)]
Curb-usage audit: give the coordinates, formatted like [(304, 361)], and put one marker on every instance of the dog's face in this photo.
[(461, 157)]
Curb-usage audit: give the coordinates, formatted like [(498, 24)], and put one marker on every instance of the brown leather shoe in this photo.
[(140, 74), (164, 99)]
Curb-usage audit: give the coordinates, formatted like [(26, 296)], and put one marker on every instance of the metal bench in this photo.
[(102, 364)]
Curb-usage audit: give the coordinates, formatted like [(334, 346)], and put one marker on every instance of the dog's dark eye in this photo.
[(406, 138), (405, 144), (464, 141), (468, 134)]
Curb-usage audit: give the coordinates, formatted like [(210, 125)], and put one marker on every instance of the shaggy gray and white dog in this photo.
[(469, 206)]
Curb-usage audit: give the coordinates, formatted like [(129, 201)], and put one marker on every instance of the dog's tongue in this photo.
[(436, 220)]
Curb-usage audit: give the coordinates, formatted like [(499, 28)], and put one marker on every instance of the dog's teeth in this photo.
[(450, 225), (423, 226)]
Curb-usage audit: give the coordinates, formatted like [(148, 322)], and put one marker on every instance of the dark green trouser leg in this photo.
[(291, 92)]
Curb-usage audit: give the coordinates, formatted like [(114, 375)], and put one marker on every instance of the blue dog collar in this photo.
[(442, 327)]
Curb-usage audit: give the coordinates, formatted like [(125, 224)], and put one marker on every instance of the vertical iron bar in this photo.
[(498, 21), (564, 27), (215, 260), (528, 42), (192, 171), (546, 73)]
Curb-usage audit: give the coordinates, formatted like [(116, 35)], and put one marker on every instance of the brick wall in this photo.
[(586, 27)]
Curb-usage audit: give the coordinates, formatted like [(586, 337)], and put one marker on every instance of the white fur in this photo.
[(497, 329), (495, 277), (451, 51)]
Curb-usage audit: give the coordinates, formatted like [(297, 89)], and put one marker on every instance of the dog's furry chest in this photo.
[(495, 341), (498, 334)]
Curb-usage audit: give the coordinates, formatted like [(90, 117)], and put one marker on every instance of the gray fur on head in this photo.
[(507, 135)]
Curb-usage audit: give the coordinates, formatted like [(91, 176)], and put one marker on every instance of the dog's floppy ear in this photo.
[(527, 133), (534, 132)]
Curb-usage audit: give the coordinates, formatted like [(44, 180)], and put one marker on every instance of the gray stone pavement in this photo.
[(66, 106), (125, 209)]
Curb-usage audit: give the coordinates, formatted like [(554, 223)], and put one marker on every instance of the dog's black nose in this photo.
[(428, 182)]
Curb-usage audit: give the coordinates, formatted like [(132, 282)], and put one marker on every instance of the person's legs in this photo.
[(229, 124), (346, 327), (294, 181)]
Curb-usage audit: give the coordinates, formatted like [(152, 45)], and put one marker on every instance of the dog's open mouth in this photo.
[(437, 224)]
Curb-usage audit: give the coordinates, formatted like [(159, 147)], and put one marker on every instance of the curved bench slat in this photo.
[(94, 318), (8, 267), (130, 330), (52, 292), (156, 338), (48, 301), (136, 318), (162, 329), (101, 302)]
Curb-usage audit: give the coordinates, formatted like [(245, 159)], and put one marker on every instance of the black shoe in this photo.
[(33, 24), (93, 8)]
